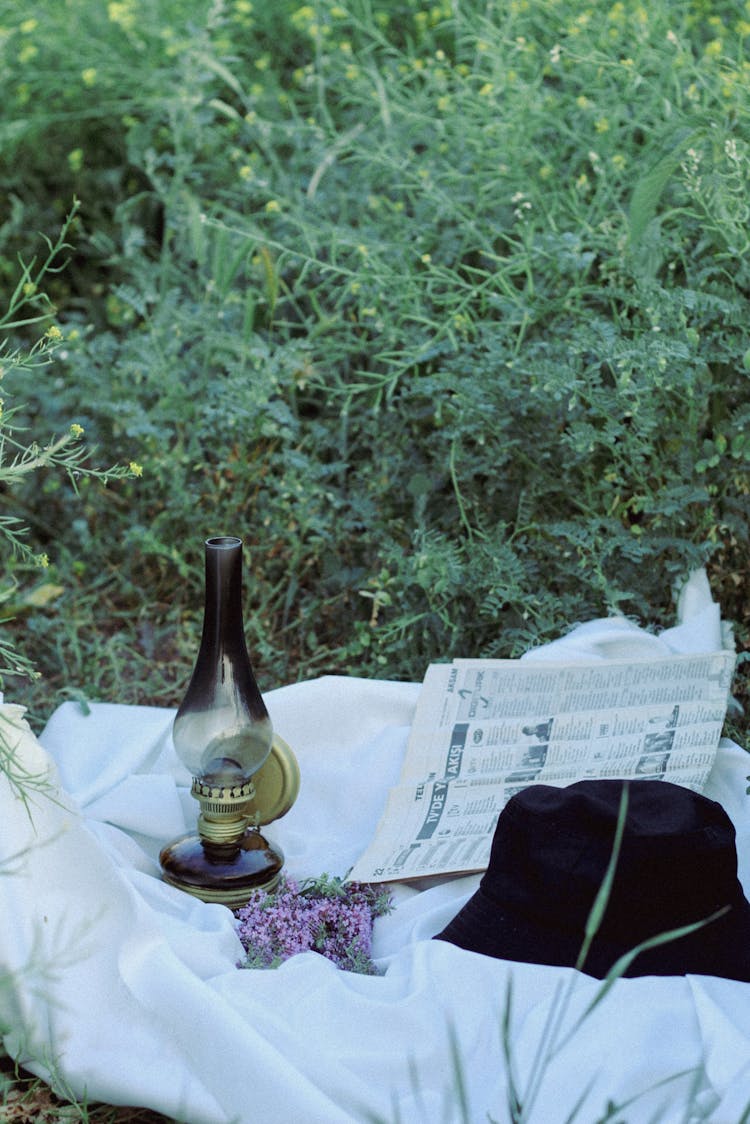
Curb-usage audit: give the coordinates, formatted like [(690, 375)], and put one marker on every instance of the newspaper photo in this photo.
[(484, 729)]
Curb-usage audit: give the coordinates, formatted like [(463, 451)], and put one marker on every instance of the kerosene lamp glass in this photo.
[(222, 731)]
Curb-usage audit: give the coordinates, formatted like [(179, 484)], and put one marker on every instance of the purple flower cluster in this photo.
[(325, 915)]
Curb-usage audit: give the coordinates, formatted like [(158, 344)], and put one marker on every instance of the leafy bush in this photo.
[(441, 307)]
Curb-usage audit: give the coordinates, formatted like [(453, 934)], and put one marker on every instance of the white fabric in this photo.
[(126, 990)]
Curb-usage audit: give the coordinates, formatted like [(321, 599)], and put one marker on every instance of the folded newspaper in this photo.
[(484, 729)]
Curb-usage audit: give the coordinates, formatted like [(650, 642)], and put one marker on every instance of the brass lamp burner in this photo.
[(228, 858)]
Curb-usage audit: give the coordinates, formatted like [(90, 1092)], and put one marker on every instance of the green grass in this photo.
[(442, 308)]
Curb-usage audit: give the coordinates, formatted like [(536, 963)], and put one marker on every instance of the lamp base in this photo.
[(223, 873)]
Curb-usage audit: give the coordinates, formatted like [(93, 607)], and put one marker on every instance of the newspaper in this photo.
[(485, 729)]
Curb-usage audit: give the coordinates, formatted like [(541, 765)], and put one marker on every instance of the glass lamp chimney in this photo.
[(222, 732)]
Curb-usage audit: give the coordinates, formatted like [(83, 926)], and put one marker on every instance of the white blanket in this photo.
[(116, 986)]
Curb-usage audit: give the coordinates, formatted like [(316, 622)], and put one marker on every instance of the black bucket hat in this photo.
[(676, 866)]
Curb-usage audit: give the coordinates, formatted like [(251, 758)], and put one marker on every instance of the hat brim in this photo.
[(720, 947)]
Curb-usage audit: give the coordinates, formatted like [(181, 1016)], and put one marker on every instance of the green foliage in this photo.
[(22, 457), (441, 307)]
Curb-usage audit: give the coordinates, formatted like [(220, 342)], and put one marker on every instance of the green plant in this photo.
[(20, 455), (441, 307)]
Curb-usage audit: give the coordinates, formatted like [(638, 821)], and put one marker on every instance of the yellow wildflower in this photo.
[(53, 333), (303, 15), (135, 468), (122, 14), (273, 207), (76, 430)]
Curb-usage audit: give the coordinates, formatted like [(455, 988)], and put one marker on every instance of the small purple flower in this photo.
[(324, 915)]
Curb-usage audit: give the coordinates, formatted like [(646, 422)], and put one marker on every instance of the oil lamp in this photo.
[(244, 776)]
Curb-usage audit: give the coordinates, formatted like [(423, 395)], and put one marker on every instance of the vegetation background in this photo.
[(441, 307)]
